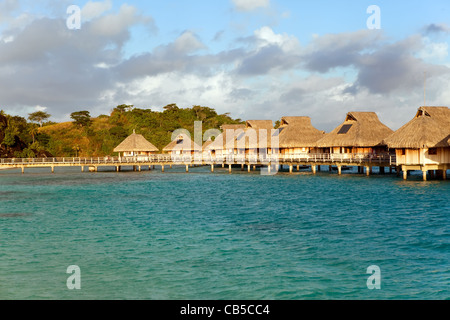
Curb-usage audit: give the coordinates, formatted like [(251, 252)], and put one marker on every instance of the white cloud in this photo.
[(433, 51), (7, 39), (270, 52), (266, 75), (113, 25), (187, 42), (102, 65), (183, 89), (249, 5), (40, 108), (94, 9), (267, 36)]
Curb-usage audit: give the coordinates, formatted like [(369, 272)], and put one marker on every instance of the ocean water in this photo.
[(202, 235)]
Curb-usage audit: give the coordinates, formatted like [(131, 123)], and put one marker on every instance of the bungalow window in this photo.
[(344, 129), (432, 151), (403, 151)]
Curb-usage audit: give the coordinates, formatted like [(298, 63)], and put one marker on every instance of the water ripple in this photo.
[(221, 236)]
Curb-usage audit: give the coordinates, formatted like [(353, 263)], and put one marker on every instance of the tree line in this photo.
[(85, 135)]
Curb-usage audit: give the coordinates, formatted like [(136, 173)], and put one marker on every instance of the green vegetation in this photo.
[(81, 118), (38, 116), (277, 124), (92, 137), (19, 138)]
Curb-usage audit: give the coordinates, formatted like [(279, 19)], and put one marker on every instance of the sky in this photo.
[(254, 59)]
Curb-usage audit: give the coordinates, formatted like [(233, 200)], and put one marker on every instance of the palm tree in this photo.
[(33, 130)]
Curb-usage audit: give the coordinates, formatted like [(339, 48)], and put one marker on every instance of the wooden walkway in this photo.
[(362, 161)]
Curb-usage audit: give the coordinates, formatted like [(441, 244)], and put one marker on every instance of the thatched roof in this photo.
[(135, 143), (225, 127), (257, 134), (243, 136), (430, 128), (228, 136), (360, 129), (259, 124), (182, 143), (297, 132)]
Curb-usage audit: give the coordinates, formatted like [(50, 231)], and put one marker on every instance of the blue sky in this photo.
[(257, 59), (302, 19)]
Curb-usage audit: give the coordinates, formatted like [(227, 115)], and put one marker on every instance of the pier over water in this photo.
[(340, 161)]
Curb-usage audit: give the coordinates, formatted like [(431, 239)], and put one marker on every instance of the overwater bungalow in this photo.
[(206, 151), (182, 145), (135, 145), (297, 136), (256, 138), (424, 142), (226, 143), (361, 134)]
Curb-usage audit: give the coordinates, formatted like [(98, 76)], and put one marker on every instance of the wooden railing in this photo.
[(208, 159)]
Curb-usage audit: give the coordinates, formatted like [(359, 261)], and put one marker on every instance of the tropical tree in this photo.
[(32, 130), (81, 118), (171, 107), (277, 124), (38, 116), (10, 136), (123, 108)]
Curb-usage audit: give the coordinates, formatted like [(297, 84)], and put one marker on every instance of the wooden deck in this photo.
[(163, 160)]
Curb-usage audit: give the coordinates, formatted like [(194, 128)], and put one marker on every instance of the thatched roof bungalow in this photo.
[(206, 150), (257, 137), (226, 142), (425, 140), (259, 124), (182, 145), (361, 132), (240, 139), (205, 146), (296, 135), (135, 145)]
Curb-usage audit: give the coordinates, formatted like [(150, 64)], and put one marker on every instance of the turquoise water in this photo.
[(173, 235)]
